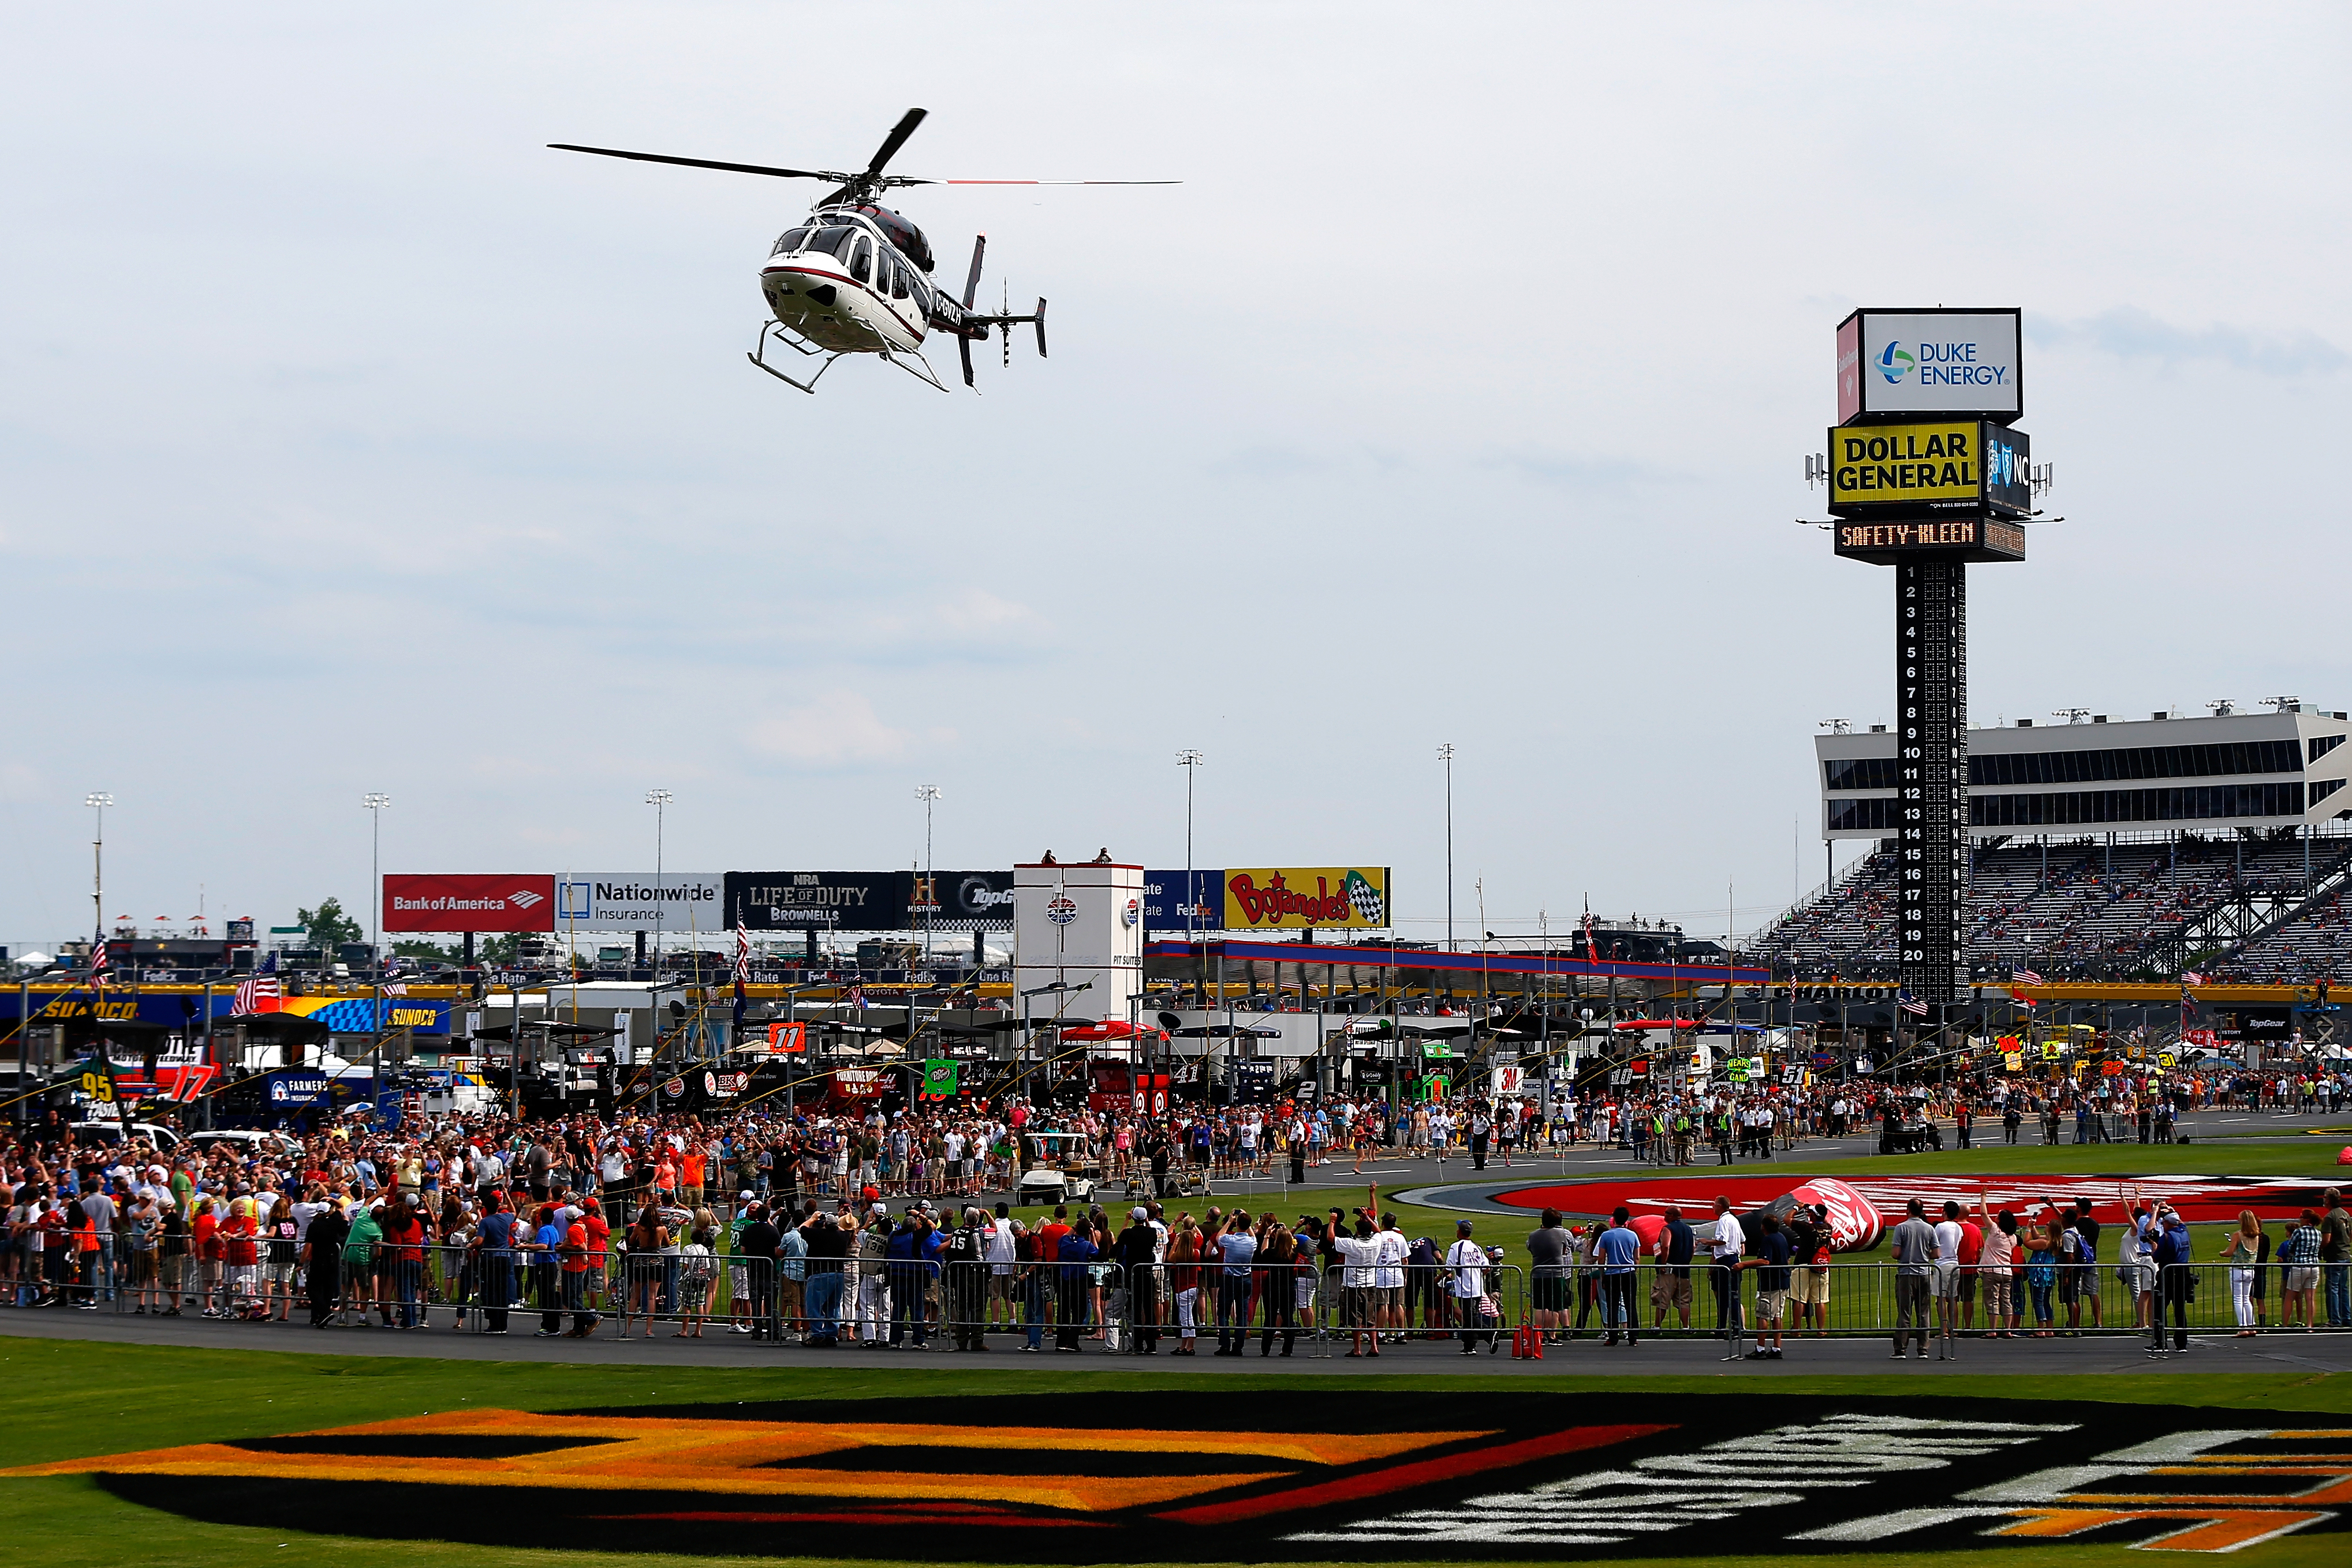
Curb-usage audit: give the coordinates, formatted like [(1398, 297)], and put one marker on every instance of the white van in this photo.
[(163, 1138)]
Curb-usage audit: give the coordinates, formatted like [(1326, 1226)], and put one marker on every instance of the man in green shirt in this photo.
[(359, 1261)]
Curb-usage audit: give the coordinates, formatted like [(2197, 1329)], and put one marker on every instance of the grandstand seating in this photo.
[(2315, 944), (2077, 907)]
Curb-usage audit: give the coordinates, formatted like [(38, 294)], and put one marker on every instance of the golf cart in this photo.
[(1065, 1173)]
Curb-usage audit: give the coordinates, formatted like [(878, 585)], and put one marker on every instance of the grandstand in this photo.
[(2242, 872), (2080, 908)]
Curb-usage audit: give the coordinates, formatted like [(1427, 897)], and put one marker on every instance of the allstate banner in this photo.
[(1184, 900)]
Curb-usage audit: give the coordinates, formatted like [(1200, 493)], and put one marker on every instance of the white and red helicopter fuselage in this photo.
[(842, 283)]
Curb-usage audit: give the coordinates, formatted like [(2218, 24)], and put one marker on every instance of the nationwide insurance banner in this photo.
[(691, 901)]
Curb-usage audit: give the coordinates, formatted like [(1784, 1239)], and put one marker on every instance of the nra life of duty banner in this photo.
[(870, 901)]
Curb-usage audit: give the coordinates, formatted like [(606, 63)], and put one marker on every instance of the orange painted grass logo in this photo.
[(900, 1471)]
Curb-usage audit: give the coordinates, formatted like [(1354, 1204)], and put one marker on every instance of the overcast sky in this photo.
[(351, 441)]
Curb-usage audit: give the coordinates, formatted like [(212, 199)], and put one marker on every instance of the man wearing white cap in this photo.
[(1137, 1250)]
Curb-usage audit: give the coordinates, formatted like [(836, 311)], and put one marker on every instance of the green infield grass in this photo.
[(63, 1400)]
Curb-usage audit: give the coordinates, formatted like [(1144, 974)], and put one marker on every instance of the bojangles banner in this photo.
[(1301, 898), (1140, 1476)]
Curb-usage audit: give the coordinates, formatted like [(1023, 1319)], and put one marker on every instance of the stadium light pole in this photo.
[(929, 795), (98, 801), (1189, 759), (375, 806), (1445, 755), (659, 800)]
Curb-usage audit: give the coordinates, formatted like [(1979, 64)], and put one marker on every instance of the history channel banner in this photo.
[(1299, 897)]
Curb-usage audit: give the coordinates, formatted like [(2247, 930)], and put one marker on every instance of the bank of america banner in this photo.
[(692, 901), (869, 900)]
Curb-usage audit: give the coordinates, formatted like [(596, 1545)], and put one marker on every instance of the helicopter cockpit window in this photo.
[(861, 259), (831, 241), (790, 240)]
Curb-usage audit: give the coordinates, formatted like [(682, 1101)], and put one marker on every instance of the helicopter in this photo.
[(852, 278)]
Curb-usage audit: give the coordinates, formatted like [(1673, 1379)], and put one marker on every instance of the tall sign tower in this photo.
[(1927, 474)]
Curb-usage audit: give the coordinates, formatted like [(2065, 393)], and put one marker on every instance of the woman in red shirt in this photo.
[(203, 1235)]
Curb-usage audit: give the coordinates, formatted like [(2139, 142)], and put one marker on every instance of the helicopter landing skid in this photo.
[(759, 356), (920, 369)]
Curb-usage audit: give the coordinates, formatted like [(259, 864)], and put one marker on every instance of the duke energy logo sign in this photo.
[(1929, 361)]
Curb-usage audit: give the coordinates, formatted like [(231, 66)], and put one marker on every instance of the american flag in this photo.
[(251, 992), (2025, 978), (98, 962), (2192, 978), (742, 973), (1911, 1003), (1591, 954)]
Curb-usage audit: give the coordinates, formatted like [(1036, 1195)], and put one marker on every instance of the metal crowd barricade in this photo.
[(1169, 1305), (2223, 1297), (1864, 1298), (1427, 1305), (1072, 1303)]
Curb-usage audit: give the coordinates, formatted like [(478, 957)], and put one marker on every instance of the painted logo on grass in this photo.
[(2200, 1199), (1126, 1477)]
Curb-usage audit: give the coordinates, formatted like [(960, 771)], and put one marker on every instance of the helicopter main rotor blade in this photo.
[(895, 139), (699, 162), (1041, 181)]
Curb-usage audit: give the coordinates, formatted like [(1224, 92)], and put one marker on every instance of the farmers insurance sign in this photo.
[(1929, 361), (412, 901)]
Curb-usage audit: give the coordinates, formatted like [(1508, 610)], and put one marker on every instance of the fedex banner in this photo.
[(515, 902)]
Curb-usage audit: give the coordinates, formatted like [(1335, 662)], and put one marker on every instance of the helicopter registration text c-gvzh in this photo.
[(854, 277)]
